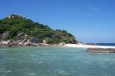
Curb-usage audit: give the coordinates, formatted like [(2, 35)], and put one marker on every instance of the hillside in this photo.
[(13, 26)]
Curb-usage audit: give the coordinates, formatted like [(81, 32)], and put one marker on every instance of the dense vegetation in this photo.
[(15, 24)]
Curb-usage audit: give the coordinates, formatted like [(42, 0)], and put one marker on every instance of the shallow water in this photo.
[(54, 61)]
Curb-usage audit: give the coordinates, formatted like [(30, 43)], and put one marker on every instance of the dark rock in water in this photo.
[(101, 50)]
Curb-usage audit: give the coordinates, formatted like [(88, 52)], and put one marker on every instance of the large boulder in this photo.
[(5, 43)]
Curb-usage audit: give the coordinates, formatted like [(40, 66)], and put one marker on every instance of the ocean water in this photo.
[(106, 44), (55, 61)]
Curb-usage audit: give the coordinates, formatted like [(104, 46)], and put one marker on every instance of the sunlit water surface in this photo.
[(55, 61)]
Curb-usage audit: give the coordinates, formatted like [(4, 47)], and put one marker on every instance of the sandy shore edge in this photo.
[(88, 46)]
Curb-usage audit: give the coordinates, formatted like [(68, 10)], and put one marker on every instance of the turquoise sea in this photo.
[(55, 61)]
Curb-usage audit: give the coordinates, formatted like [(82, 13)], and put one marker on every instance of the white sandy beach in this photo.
[(88, 46)]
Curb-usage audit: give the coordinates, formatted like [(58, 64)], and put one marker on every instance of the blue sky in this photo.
[(87, 20)]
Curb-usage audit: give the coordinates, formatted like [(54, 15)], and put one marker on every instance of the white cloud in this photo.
[(93, 8)]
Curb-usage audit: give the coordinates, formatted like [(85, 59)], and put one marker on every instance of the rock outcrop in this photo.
[(101, 50), (22, 39)]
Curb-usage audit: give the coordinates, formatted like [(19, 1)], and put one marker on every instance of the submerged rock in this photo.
[(101, 50)]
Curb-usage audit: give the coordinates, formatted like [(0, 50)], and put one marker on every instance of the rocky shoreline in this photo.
[(27, 42), (22, 39), (14, 44)]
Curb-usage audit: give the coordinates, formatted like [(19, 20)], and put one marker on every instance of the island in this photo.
[(16, 30)]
